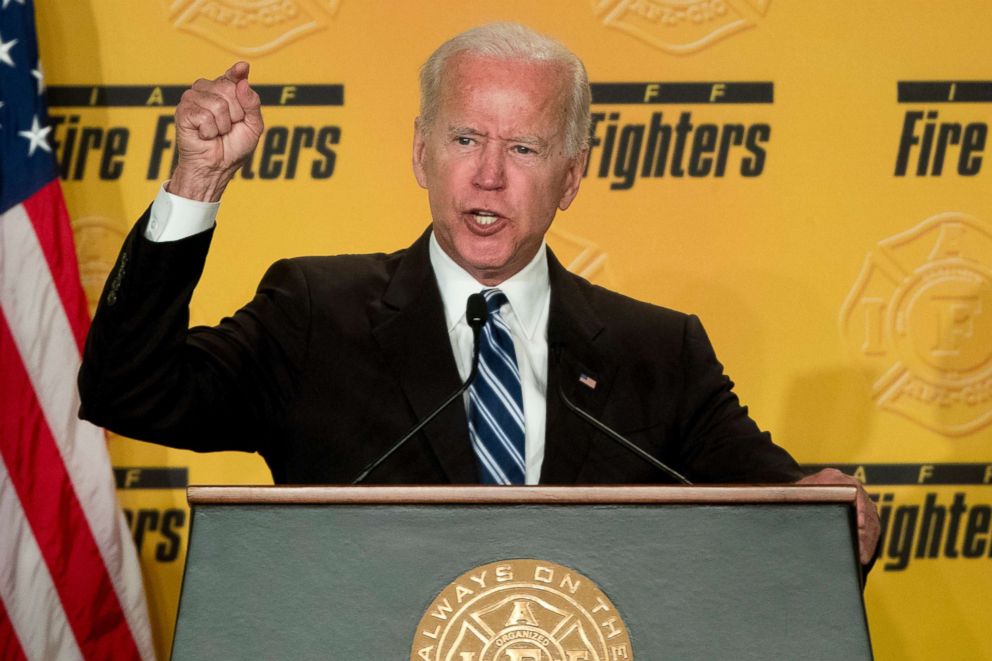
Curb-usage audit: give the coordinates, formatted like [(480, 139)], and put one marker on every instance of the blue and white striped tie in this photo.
[(495, 408)]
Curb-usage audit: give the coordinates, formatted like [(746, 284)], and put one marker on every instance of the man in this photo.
[(337, 356)]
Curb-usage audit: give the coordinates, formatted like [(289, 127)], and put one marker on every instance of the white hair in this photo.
[(512, 41)]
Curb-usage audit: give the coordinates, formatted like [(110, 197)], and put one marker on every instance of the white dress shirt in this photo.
[(173, 217), (528, 295), (526, 313)]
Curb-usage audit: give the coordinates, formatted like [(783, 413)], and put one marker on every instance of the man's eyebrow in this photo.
[(529, 140), (464, 130), (534, 140)]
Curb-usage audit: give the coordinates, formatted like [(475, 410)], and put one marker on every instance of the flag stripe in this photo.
[(58, 521), (29, 300), (51, 359), (10, 646), (26, 590), (50, 220)]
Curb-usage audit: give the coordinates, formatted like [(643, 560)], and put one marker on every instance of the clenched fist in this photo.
[(218, 124)]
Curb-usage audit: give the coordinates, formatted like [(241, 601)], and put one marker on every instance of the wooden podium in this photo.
[(386, 574)]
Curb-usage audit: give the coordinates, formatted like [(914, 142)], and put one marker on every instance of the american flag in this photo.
[(70, 582), (588, 381)]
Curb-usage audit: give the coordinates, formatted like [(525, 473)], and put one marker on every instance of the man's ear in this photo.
[(419, 153), (572, 179)]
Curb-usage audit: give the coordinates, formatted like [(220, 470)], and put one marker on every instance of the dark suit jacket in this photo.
[(336, 357)]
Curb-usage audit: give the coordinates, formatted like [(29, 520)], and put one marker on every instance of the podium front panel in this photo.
[(689, 581)]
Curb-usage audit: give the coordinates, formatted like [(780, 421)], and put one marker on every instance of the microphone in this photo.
[(610, 433), (476, 314)]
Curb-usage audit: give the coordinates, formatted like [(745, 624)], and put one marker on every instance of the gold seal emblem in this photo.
[(252, 27), (919, 317), (680, 26), (521, 610)]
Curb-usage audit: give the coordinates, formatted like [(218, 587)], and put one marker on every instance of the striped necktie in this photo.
[(495, 408)]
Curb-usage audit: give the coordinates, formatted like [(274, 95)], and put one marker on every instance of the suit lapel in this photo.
[(410, 328), (583, 368)]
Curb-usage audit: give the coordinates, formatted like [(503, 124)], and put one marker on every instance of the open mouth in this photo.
[(484, 222), (484, 218)]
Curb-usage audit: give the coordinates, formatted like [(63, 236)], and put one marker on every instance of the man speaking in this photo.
[(338, 357)]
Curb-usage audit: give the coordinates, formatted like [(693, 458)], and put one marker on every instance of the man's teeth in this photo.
[(484, 218)]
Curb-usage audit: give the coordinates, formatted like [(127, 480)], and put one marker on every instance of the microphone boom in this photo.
[(476, 314)]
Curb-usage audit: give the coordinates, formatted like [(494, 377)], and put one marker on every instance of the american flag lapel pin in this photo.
[(587, 381)]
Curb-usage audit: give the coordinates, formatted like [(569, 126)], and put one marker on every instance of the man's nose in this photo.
[(490, 173)]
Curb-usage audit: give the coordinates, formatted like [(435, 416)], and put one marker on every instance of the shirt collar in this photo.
[(527, 290)]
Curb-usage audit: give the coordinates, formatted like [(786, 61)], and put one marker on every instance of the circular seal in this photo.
[(918, 318), (936, 316), (521, 610)]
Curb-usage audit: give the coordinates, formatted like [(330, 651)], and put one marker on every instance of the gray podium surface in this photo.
[(715, 579)]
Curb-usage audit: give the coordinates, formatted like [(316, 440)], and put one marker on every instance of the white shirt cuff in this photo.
[(173, 217)]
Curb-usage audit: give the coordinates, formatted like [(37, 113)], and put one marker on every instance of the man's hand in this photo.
[(218, 124), (869, 527)]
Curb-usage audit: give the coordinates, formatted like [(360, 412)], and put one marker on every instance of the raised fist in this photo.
[(218, 124)]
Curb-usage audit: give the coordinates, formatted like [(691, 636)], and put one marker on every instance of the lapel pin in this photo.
[(588, 381)]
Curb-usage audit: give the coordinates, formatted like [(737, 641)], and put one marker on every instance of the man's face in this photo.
[(494, 162)]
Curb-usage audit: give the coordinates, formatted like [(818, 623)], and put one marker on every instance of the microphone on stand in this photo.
[(476, 314), (609, 432)]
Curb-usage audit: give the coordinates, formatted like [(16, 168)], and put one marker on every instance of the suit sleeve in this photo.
[(146, 375), (721, 443)]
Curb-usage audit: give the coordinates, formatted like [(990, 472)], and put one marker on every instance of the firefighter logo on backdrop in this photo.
[(98, 241), (680, 26), (582, 257), (521, 610), (920, 320), (252, 27)]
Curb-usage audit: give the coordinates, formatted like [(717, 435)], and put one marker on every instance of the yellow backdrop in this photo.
[(818, 195)]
